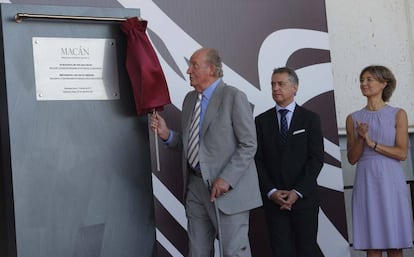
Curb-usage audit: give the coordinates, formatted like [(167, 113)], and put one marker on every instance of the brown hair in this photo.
[(382, 74)]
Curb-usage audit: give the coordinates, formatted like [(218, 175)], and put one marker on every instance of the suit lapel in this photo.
[(213, 107), (296, 117), (275, 126), (187, 114), (272, 122)]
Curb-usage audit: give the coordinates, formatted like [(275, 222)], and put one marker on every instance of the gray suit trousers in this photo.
[(202, 225)]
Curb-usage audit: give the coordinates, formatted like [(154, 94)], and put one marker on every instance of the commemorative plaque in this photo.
[(75, 68)]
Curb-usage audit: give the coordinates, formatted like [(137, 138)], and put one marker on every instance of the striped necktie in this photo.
[(193, 138), (283, 125)]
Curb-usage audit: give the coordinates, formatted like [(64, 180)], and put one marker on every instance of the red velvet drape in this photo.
[(147, 78)]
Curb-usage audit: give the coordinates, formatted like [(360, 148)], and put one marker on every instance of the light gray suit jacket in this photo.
[(227, 146)]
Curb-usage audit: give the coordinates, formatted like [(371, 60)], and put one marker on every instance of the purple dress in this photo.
[(380, 206)]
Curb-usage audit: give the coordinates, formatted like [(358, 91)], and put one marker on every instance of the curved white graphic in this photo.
[(274, 52)]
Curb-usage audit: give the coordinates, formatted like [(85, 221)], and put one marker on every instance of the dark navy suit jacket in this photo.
[(295, 165)]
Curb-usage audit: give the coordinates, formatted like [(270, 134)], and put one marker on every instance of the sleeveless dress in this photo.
[(380, 205)]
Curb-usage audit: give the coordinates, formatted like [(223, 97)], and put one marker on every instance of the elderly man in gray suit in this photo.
[(219, 144)]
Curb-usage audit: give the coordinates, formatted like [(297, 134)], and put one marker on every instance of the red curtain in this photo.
[(147, 78)]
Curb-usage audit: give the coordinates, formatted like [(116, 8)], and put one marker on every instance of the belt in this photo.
[(196, 173)]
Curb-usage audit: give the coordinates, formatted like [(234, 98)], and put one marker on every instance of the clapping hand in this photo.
[(362, 129)]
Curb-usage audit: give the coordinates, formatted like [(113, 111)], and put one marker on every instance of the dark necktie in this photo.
[(193, 138), (283, 125)]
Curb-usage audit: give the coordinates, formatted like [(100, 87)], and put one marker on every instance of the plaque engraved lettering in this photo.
[(75, 68)]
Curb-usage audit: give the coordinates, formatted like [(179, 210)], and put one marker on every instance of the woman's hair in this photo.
[(382, 74)]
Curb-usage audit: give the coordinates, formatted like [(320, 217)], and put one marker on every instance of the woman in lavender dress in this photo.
[(377, 141)]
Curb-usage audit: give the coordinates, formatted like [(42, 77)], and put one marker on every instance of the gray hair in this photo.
[(214, 58), (293, 77)]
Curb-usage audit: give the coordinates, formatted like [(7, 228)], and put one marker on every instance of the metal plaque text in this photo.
[(75, 68)]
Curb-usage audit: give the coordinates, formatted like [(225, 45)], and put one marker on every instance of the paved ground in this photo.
[(406, 253)]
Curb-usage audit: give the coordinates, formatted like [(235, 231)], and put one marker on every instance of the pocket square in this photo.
[(298, 131)]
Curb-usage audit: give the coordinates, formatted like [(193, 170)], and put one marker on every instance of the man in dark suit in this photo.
[(289, 158), (225, 144)]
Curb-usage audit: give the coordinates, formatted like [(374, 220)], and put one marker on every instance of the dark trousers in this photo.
[(293, 233)]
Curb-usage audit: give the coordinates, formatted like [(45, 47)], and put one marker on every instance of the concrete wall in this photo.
[(363, 33), (371, 32)]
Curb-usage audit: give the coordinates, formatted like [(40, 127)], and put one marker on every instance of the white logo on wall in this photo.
[(315, 80)]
